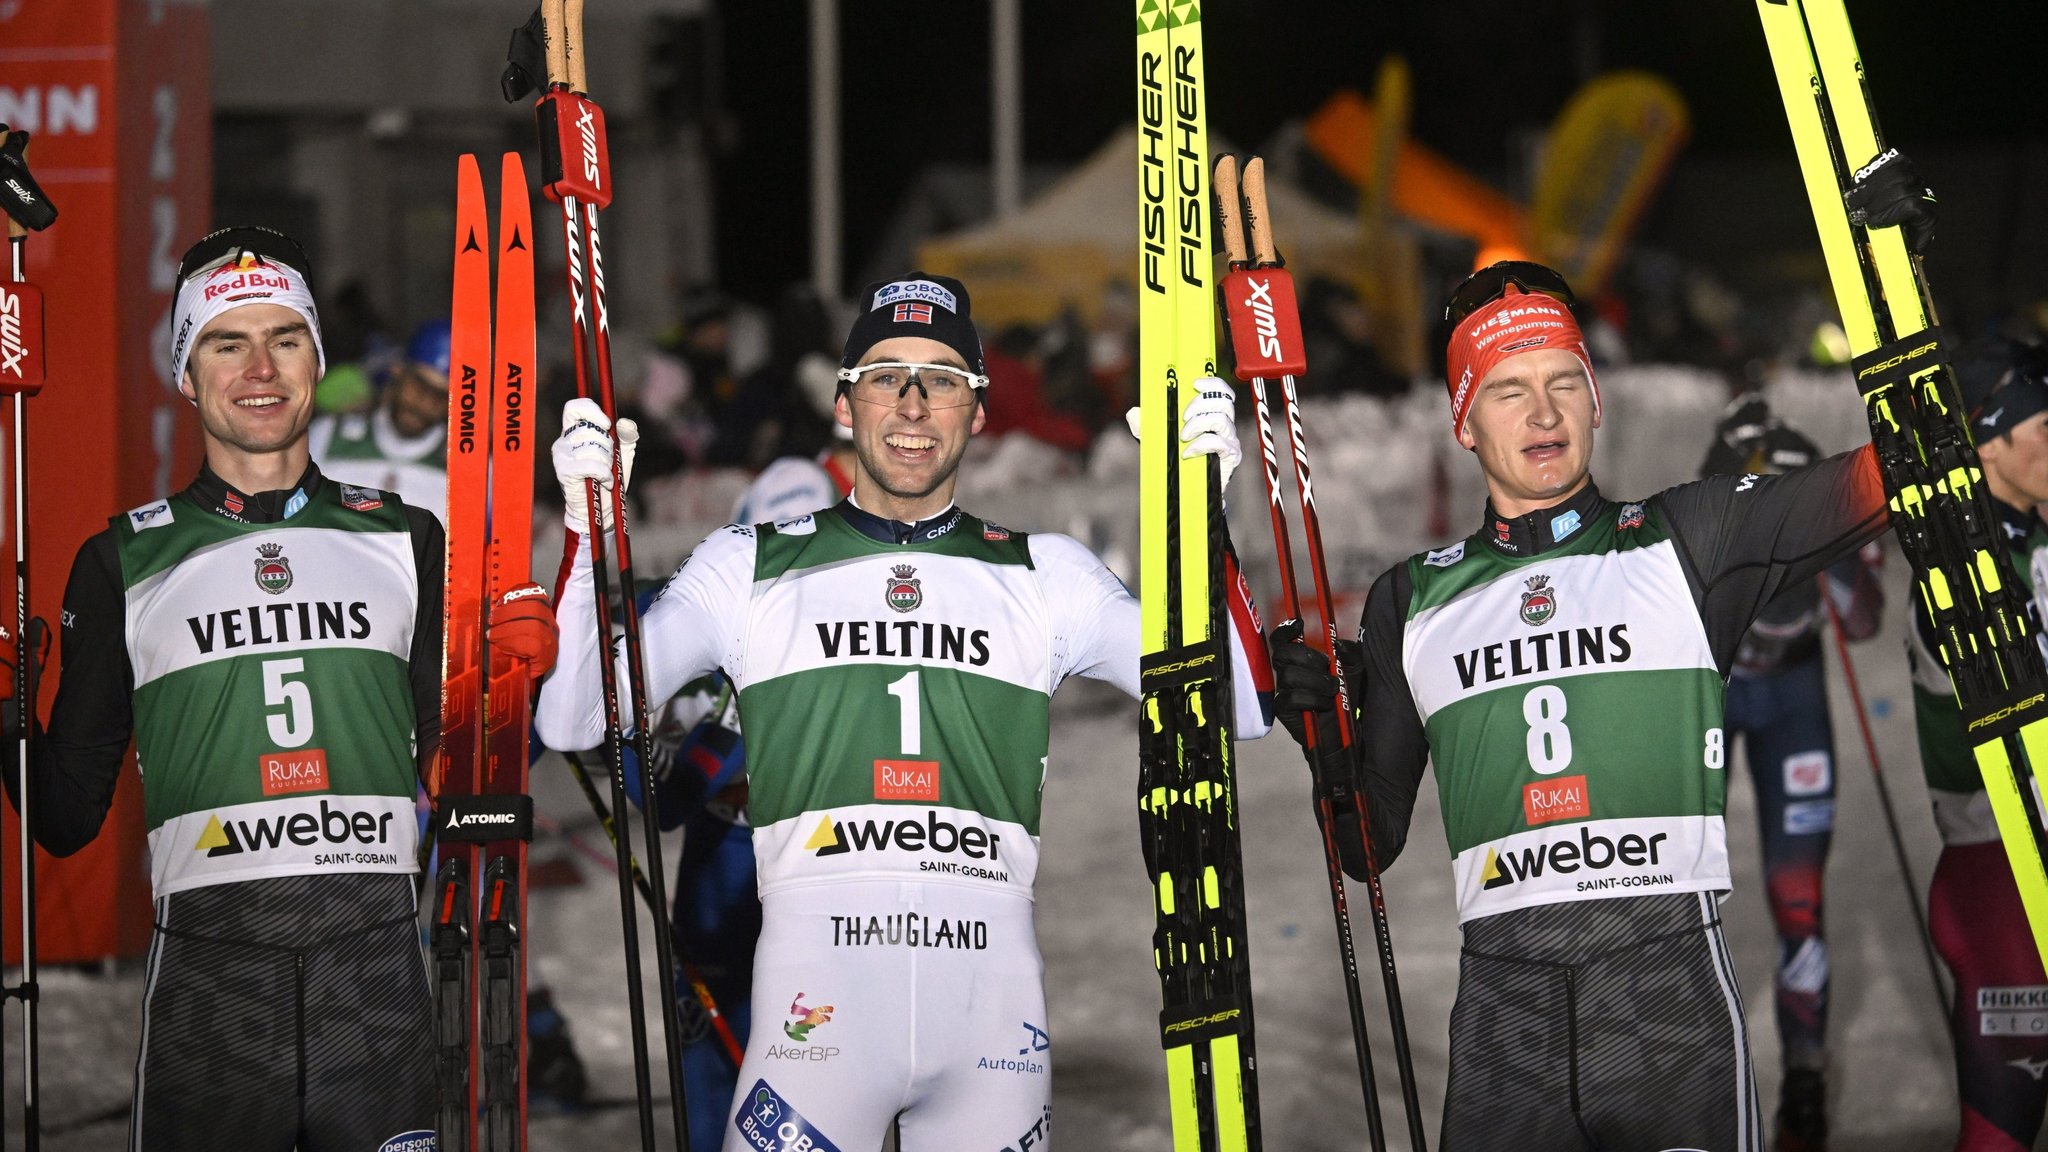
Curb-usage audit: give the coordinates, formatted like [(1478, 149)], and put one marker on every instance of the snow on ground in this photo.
[(1892, 1084)]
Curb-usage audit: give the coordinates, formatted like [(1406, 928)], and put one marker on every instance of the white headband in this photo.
[(249, 280)]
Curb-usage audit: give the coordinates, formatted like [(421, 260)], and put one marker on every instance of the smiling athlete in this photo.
[(895, 659)]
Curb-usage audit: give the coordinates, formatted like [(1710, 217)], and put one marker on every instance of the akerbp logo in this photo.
[(804, 1019), (1588, 852)]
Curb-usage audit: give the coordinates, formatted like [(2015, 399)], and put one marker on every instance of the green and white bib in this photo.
[(1955, 785), (1573, 711), (273, 707), (363, 448), (895, 701)]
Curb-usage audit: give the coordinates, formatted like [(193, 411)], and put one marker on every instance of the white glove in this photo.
[(584, 452), (1207, 425)]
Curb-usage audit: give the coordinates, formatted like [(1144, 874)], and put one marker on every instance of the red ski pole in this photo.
[(1265, 330), (576, 170), (560, 109), (22, 371)]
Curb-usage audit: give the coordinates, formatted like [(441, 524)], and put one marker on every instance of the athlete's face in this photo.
[(252, 373), (1531, 425), (418, 399), (2016, 464), (908, 451)]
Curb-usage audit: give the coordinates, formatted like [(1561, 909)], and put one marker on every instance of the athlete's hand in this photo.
[(1889, 191), (583, 452), (1302, 682), (522, 627), (1208, 425), (10, 683)]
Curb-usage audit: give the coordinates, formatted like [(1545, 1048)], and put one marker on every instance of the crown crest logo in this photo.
[(903, 592)]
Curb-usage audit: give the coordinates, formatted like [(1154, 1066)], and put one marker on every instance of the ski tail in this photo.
[(456, 773), (1187, 789), (1932, 477), (501, 932)]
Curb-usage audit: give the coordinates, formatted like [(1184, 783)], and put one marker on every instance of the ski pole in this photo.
[(702, 990), (1265, 282), (22, 370), (1884, 799), (1234, 249), (558, 110), (597, 166)]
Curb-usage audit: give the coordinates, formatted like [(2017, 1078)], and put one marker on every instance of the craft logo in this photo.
[(361, 499), (1037, 1136), (803, 1021), (304, 770), (1264, 324), (1561, 799), (1589, 851), (907, 780), (1631, 516), (903, 593), (273, 571), (1539, 603), (913, 313)]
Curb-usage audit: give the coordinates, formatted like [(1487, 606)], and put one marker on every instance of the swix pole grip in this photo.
[(21, 338), (575, 159)]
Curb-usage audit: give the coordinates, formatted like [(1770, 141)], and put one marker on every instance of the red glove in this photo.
[(522, 627)]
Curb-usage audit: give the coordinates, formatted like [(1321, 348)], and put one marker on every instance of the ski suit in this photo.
[(1778, 705), (276, 657), (895, 680), (1999, 1020), (717, 915), (366, 448), (1564, 670)]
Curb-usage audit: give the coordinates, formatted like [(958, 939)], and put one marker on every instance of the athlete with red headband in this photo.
[(1564, 667)]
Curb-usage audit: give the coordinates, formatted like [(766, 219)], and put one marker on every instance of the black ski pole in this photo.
[(22, 370), (726, 1038), (1884, 799)]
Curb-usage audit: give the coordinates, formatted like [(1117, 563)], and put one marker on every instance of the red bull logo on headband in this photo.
[(250, 273)]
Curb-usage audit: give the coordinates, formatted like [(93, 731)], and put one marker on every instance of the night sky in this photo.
[(917, 92)]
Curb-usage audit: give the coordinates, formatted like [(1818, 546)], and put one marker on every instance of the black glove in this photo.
[(1888, 191), (20, 195), (1303, 683), (11, 683)]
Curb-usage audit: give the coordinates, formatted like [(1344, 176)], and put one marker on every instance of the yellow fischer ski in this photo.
[(1939, 508), (1186, 789)]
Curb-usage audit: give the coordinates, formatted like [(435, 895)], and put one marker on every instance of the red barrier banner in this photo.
[(117, 97)]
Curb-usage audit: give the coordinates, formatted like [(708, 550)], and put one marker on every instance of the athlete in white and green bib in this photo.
[(1563, 668), (401, 444), (1973, 905), (270, 639), (895, 659)]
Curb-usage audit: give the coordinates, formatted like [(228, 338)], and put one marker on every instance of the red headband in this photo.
[(1517, 322)]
